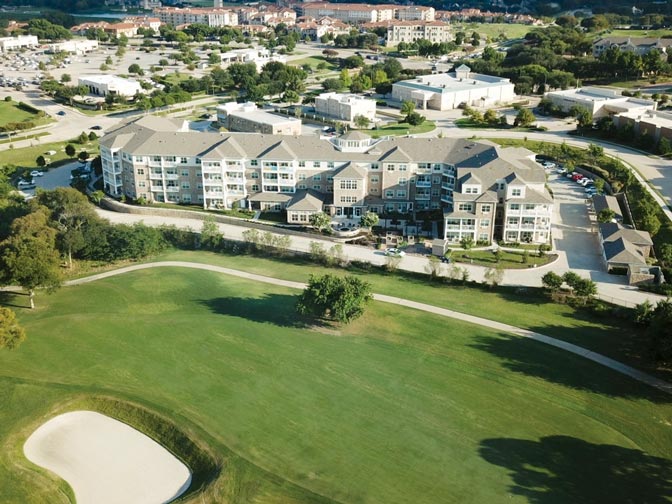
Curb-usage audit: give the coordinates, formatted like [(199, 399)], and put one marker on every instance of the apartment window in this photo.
[(403, 180), (486, 208), (254, 175), (186, 198), (255, 187), (330, 165), (156, 159), (464, 207), (485, 223), (348, 199), (141, 183), (401, 194), (199, 186), (435, 192), (348, 184), (141, 171), (390, 167), (437, 167), (424, 166), (185, 173), (254, 162), (302, 164), (317, 178), (471, 190), (403, 167), (199, 174), (436, 180), (529, 206), (138, 159), (170, 159), (389, 194), (501, 186), (184, 160), (330, 179), (198, 161), (317, 187), (301, 186), (375, 179), (514, 206), (375, 166), (374, 190), (516, 192), (185, 185)]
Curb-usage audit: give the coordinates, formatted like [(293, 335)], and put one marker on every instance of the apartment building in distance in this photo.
[(345, 106), (415, 13), (177, 16), (246, 117), (410, 31), (349, 13), (637, 45), (448, 91), (486, 191)]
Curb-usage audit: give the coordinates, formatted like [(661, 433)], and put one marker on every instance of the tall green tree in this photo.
[(29, 256), (335, 298)]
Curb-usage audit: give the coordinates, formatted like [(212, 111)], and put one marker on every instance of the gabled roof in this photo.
[(612, 231), (513, 179), (306, 200), (226, 149), (279, 151), (396, 154), (350, 170), (532, 196), (603, 202), (471, 178), (623, 252), (355, 135)]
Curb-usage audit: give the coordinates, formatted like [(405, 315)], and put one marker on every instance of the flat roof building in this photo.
[(14, 43), (656, 124), (448, 91), (345, 106), (103, 85), (599, 101), (246, 117), (81, 46)]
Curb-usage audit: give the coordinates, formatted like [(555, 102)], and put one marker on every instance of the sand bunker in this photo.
[(106, 461)]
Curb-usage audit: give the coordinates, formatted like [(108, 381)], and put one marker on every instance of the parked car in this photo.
[(36, 173), (395, 252), (548, 165), (586, 182), (61, 112), (24, 183), (97, 128)]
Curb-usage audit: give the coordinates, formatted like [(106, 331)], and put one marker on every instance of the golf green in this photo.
[(397, 407)]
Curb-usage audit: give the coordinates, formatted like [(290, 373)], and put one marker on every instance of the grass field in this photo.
[(313, 61), (494, 30), (26, 156), (402, 128), (11, 112), (396, 407), (508, 259)]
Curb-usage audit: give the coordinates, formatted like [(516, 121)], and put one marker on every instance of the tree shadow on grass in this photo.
[(12, 299), (278, 309), (563, 469), (538, 360)]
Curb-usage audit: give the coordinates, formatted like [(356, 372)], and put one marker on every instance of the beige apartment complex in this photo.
[(410, 31), (485, 191), (177, 16)]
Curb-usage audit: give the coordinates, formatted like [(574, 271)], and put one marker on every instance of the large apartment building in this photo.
[(410, 31), (486, 191), (177, 16), (349, 13)]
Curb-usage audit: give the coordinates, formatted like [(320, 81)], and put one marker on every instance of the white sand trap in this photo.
[(106, 461)]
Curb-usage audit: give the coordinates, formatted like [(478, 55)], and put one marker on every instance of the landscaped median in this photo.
[(398, 406)]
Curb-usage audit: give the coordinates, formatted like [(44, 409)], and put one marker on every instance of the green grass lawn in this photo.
[(493, 30), (313, 61), (402, 128), (11, 112), (508, 259), (26, 156), (397, 407)]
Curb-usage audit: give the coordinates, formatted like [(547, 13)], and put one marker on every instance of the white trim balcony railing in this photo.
[(423, 183), (155, 176), (171, 176), (172, 189), (423, 196), (156, 188)]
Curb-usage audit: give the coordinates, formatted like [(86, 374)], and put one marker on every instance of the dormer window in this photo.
[(516, 193)]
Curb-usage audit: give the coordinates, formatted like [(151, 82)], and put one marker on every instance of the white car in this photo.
[(395, 252), (23, 183), (36, 173)]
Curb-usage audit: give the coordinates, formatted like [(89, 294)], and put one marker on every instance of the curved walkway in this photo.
[(498, 326)]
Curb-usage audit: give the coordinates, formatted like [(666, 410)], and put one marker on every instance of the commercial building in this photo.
[(103, 85), (351, 174), (599, 101), (246, 117), (448, 91), (259, 57), (177, 16), (14, 43), (79, 47), (410, 31), (345, 106), (657, 124), (637, 45)]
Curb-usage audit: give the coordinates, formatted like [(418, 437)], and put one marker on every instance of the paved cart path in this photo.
[(498, 326)]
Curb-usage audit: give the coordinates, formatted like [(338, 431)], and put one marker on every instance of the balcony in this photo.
[(171, 176), (423, 183), (422, 197), (155, 176), (157, 188), (447, 187), (172, 189)]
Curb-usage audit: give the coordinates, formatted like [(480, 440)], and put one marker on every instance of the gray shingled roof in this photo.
[(603, 202), (306, 200), (269, 197), (350, 170), (623, 252), (355, 135), (612, 231)]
